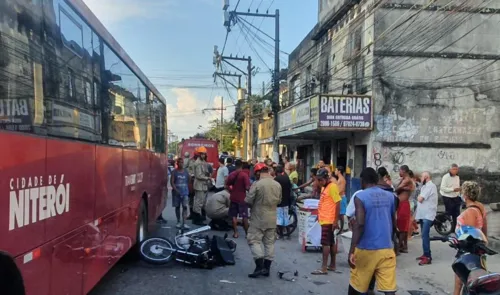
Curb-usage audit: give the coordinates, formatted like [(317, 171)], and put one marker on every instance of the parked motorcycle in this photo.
[(470, 262), (190, 248), (443, 223), (292, 213)]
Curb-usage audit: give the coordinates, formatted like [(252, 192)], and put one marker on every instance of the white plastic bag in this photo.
[(314, 234), (343, 241), (340, 244)]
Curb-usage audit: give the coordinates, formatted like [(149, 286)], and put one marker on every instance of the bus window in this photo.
[(159, 126), (127, 103), (70, 102), (21, 84)]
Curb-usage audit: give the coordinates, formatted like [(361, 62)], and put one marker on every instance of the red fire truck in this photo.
[(189, 145), (82, 148)]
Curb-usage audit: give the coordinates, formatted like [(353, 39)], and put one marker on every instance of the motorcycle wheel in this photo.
[(153, 251), (443, 224)]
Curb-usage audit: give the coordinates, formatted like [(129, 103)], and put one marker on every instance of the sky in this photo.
[(172, 41)]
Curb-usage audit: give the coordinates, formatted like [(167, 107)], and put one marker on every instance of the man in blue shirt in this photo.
[(229, 165), (180, 192), (372, 252)]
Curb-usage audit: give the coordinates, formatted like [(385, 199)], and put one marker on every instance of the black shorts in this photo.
[(327, 235), (240, 209)]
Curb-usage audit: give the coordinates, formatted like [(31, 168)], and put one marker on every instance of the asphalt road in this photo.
[(139, 278)]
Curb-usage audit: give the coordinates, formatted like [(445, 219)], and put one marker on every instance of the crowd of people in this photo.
[(382, 216)]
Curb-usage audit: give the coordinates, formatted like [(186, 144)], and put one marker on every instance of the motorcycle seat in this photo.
[(486, 283)]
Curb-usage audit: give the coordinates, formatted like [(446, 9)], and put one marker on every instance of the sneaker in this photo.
[(425, 261), (178, 225), (186, 226), (415, 234), (420, 257)]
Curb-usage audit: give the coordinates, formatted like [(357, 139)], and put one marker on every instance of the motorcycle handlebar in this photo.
[(438, 238)]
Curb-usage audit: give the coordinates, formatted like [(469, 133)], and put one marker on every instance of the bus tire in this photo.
[(141, 232), (142, 223), (11, 280)]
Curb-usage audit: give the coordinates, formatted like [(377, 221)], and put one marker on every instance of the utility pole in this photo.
[(221, 110), (275, 105), (229, 18), (218, 59)]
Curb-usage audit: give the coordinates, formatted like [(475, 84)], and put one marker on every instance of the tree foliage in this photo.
[(229, 132), (172, 147)]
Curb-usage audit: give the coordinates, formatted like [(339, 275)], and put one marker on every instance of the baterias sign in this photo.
[(346, 112)]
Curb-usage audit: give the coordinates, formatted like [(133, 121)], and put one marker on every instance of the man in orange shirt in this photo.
[(328, 217)]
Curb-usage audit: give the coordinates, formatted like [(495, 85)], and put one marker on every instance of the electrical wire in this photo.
[(367, 64)]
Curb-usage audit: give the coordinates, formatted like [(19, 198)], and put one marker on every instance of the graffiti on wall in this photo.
[(446, 155), (433, 125), (392, 158)]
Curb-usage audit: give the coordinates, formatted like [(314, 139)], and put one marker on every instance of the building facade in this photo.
[(430, 72)]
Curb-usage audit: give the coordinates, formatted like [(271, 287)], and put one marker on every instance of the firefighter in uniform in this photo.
[(263, 199), (190, 169), (201, 179)]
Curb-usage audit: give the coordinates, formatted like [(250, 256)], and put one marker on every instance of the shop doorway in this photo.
[(341, 153), (326, 152), (305, 160), (359, 159)]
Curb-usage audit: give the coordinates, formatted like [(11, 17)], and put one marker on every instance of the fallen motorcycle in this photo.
[(470, 262), (190, 248)]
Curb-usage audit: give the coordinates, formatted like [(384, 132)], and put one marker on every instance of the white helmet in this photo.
[(186, 155)]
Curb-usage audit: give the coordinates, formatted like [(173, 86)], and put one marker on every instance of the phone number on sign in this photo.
[(344, 124)]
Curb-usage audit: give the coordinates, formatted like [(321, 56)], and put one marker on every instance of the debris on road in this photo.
[(287, 275), (226, 282)]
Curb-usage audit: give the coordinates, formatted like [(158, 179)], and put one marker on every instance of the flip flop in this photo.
[(319, 272), (334, 270)]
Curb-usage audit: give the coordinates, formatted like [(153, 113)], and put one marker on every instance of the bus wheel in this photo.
[(141, 231), (11, 280), (142, 223)]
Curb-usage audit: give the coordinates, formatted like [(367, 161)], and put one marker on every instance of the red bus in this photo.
[(82, 148)]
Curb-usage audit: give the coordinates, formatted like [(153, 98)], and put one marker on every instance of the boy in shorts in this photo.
[(341, 184), (180, 192)]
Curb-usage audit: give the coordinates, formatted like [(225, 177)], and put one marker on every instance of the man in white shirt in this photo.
[(222, 174), (450, 190), (426, 213), (350, 212)]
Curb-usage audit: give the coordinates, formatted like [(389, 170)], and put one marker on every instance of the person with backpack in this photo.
[(238, 183)]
